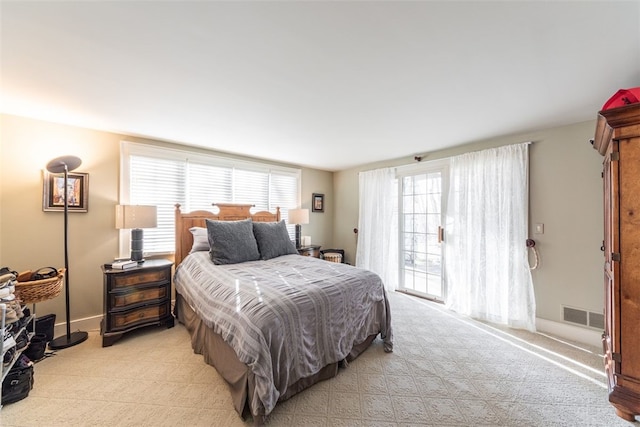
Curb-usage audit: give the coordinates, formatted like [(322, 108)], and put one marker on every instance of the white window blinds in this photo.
[(152, 175)]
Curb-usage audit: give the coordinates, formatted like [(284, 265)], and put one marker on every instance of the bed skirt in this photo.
[(220, 355)]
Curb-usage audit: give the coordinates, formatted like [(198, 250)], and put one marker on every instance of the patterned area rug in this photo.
[(446, 370)]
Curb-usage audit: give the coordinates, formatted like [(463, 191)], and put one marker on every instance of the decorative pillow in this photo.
[(232, 242), (200, 239), (273, 239)]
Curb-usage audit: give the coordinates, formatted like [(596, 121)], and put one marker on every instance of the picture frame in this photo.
[(317, 202), (53, 192)]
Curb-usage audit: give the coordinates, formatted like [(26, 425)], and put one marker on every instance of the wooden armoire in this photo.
[(617, 138)]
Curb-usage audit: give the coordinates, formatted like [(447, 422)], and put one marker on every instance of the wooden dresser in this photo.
[(136, 297), (617, 138)]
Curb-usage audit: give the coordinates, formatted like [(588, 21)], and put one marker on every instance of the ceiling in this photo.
[(329, 85)]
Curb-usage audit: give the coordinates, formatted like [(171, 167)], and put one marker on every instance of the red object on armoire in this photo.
[(623, 97)]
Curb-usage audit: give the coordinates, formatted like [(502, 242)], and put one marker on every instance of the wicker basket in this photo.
[(40, 290), (333, 257)]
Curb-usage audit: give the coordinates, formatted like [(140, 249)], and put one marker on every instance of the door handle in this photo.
[(440, 234)]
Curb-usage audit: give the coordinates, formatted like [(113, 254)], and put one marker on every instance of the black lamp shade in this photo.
[(60, 164)]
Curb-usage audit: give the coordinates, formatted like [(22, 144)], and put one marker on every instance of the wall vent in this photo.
[(596, 320), (575, 315), (583, 317)]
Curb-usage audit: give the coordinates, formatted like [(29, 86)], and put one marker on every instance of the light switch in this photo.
[(539, 229)]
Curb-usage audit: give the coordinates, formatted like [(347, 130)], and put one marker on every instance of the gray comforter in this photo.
[(288, 317)]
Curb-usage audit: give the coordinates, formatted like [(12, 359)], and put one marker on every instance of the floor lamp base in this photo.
[(68, 341)]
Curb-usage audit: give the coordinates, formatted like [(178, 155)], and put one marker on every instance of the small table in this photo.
[(136, 297), (312, 251)]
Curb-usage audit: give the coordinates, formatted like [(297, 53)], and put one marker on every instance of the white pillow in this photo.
[(200, 239)]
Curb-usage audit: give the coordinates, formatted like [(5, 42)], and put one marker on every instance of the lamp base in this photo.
[(64, 341), (136, 245), (298, 238)]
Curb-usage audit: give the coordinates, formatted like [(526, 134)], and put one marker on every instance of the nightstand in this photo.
[(136, 297), (313, 251)]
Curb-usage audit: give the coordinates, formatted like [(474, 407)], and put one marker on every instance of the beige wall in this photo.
[(320, 226), (565, 195), (31, 238)]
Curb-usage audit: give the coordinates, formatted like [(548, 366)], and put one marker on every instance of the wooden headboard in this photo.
[(227, 212)]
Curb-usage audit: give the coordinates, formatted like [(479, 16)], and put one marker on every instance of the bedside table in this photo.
[(136, 297), (313, 251)]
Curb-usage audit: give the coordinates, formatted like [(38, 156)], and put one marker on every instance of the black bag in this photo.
[(17, 384), (44, 325), (37, 346), (44, 273)]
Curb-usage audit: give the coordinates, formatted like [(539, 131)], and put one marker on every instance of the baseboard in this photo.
[(563, 330), (570, 332), (87, 324)]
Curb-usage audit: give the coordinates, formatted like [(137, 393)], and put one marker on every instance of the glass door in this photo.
[(421, 233)]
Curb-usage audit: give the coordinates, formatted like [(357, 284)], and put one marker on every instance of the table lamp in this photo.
[(298, 217), (136, 217)]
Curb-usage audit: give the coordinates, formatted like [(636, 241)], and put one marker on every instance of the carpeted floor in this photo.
[(445, 371)]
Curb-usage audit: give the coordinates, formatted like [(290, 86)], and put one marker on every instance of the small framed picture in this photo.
[(53, 193), (317, 202)]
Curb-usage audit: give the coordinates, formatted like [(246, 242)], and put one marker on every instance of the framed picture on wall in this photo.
[(53, 191), (317, 202)]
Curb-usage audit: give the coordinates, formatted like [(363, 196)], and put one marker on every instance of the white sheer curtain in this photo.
[(377, 225), (487, 268)]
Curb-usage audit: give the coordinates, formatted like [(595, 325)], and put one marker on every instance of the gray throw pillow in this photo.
[(273, 239), (232, 242)]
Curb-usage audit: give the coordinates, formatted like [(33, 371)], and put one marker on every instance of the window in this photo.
[(152, 175)]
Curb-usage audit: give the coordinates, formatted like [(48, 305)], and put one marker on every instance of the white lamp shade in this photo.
[(298, 216), (136, 216)]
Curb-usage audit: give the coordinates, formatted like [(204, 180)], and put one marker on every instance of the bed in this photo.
[(275, 325)]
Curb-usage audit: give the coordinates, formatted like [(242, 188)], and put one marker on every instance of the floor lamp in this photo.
[(65, 164)]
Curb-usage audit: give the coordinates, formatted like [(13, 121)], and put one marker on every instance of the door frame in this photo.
[(442, 166)]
